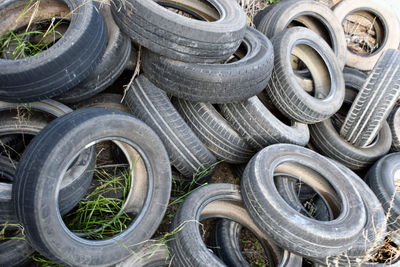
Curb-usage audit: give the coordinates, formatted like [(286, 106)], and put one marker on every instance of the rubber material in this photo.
[(211, 201), (178, 37), (215, 83), (374, 102), (260, 127), (286, 227), (36, 207), (313, 15), (390, 25), (187, 153), (284, 90), (112, 64), (214, 131), (394, 124), (62, 66)]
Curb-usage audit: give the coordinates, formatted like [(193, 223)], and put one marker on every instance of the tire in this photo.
[(7, 173), (390, 27), (78, 177), (292, 194), (260, 15), (326, 139), (259, 127), (35, 201), (15, 252), (105, 100), (210, 201), (380, 179), (214, 131), (226, 246), (313, 15), (152, 254), (284, 90), (374, 102), (187, 154), (214, 83), (286, 227), (60, 67), (394, 124), (374, 229), (112, 64), (179, 37)]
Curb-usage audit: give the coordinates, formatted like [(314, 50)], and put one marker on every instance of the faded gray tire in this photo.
[(284, 90), (106, 100), (285, 226), (215, 83), (7, 173), (152, 254), (326, 139), (226, 245), (311, 14), (259, 127), (211, 201), (394, 124), (113, 62), (36, 204), (374, 231), (179, 37), (381, 180), (374, 102), (187, 153), (390, 26), (214, 131)]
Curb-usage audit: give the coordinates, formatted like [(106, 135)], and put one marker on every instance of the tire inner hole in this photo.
[(365, 32), (115, 196), (196, 9), (317, 67)]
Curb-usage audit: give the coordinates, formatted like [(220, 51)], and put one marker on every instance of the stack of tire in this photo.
[(199, 99)]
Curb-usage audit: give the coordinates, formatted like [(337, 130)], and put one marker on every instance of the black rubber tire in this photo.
[(179, 37), (394, 124), (214, 83), (62, 66), (284, 90), (15, 252), (27, 121), (374, 231), (214, 131), (105, 100), (112, 64), (78, 177), (382, 13), (313, 15), (326, 139), (260, 128), (292, 194), (152, 254), (210, 201), (374, 102), (380, 179), (226, 246), (35, 201), (286, 227), (7, 172), (187, 153)]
